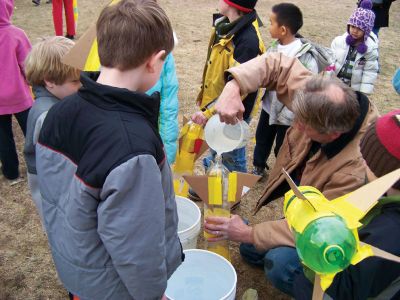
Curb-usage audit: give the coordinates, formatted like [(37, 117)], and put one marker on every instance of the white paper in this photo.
[(245, 190)]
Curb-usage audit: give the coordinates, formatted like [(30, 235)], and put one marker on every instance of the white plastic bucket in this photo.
[(222, 137), (189, 222), (203, 275)]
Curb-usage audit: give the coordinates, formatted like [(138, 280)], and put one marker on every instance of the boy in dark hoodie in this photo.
[(108, 201)]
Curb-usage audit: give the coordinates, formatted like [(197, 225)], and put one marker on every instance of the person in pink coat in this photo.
[(15, 95)]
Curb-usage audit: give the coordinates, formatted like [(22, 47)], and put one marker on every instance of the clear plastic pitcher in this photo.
[(222, 137)]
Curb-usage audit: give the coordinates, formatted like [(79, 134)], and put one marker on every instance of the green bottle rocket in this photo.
[(326, 245)]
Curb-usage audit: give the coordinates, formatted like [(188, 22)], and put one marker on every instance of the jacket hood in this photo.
[(6, 10), (324, 56), (41, 91)]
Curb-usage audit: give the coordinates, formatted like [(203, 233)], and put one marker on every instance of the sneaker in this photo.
[(71, 37), (16, 181), (36, 2), (259, 171), (9, 176), (250, 294), (193, 196)]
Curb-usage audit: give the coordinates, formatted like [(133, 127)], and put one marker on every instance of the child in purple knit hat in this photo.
[(356, 51)]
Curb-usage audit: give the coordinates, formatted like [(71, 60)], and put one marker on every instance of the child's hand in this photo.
[(199, 118)]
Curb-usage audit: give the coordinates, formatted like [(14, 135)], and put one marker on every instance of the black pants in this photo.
[(8, 152), (265, 136)]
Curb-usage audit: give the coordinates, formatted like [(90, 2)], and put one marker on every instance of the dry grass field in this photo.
[(26, 268)]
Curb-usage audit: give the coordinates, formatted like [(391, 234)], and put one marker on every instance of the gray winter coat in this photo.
[(108, 200), (44, 100), (366, 66)]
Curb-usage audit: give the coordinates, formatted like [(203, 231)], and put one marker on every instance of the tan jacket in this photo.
[(275, 72), (343, 173), (334, 177)]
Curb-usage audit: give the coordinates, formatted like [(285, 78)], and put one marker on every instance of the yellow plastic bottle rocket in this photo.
[(326, 232), (222, 186), (191, 145), (84, 55), (191, 140), (220, 190), (93, 61)]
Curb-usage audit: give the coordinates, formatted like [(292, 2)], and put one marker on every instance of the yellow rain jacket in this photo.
[(241, 43)]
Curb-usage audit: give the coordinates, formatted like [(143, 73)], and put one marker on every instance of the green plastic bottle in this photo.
[(326, 245)]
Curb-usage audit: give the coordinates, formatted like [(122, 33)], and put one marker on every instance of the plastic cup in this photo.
[(222, 137)]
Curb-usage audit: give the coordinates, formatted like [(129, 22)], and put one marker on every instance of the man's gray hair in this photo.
[(326, 105)]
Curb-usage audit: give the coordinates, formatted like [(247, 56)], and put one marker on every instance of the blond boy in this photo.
[(51, 81), (108, 202)]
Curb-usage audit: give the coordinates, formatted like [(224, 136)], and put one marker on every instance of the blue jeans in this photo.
[(233, 161), (281, 265)]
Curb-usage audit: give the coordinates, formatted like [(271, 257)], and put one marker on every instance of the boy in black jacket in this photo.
[(108, 203)]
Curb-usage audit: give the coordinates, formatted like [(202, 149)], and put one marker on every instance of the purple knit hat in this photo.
[(363, 17)]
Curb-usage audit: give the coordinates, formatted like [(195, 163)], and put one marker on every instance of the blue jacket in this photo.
[(168, 86)]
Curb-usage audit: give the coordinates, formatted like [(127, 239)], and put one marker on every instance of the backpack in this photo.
[(323, 55)]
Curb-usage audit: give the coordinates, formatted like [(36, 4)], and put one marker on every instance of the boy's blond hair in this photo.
[(130, 31), (44, 62)]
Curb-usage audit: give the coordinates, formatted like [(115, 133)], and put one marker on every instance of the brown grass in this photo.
[(26, 268)]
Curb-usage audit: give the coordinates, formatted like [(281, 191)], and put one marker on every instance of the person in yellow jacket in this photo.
[(235, 39)]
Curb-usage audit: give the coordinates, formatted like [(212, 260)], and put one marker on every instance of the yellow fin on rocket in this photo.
[(326, 280)]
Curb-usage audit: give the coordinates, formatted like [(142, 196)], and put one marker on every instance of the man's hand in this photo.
[(229, 105), (199, 118), (232, 228)]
